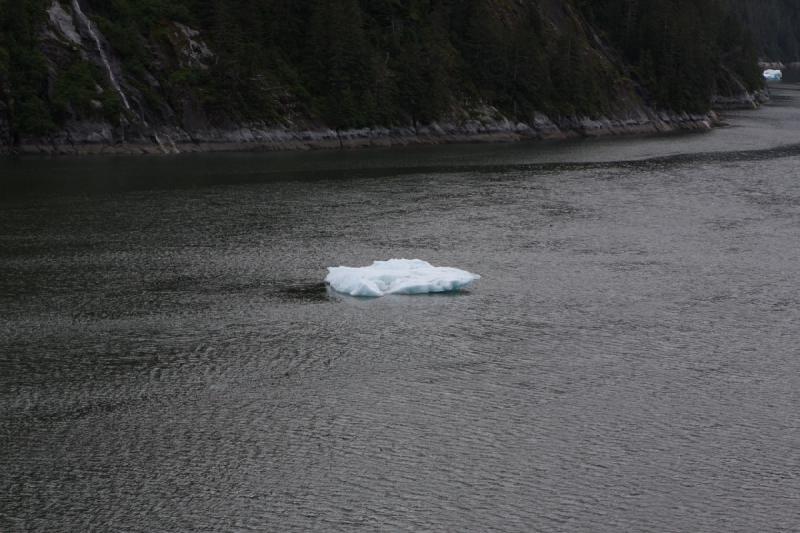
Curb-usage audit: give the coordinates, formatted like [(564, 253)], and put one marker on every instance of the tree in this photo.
[(339, 66)]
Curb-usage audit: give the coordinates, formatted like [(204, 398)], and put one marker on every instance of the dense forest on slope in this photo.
[(351, 63), (681, 51), (775, 25)]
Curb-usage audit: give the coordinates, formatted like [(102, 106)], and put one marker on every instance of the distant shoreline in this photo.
[(169, 141), (100, 138)]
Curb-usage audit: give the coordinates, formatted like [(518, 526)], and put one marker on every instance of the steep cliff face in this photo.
[(80, 77)]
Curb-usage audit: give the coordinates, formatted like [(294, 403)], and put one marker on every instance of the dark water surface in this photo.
[(630, 361)]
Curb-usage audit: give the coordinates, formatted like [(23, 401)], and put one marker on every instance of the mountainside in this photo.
[(169, 75), (775, 25)]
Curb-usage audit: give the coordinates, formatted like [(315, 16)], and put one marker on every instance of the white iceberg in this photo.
[(773, 75), (398, 276)]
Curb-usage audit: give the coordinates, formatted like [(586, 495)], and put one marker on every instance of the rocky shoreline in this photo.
[(85, 138)]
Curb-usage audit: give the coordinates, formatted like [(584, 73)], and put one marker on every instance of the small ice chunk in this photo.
[(773, 75), (398, 276)]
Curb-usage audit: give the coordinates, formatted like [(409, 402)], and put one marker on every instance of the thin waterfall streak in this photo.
[(160, 143), (76, 7), (174, 146), (166, 148)]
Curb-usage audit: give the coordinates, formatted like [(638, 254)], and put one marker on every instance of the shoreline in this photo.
[(101, 139)]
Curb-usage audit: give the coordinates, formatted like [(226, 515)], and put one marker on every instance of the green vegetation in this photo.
[(775, 25), (23, 68), (78, 92), (681, 51), (353, 63)]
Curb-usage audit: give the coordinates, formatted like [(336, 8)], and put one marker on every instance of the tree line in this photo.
[(352, 63)]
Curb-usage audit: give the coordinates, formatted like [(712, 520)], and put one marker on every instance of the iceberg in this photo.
[(398, 276), (773, 75)]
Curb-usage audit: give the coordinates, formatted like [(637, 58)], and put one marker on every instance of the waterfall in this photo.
[(175, 149), (167, 148), (160, 143), (164, 147), (76, 8)]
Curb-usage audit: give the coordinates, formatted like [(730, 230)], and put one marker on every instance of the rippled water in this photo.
[(169, 359)]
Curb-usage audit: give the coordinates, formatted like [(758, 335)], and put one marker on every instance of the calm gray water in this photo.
[(630, 361)]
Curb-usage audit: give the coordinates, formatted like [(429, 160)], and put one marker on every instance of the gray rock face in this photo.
[(94, 137), (195, 53), (62, 23)]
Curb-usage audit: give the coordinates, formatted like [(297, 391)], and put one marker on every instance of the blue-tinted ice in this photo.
[(398, 276)]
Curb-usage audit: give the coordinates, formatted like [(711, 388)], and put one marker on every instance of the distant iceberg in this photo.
[(398, 276), (773, 75)]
